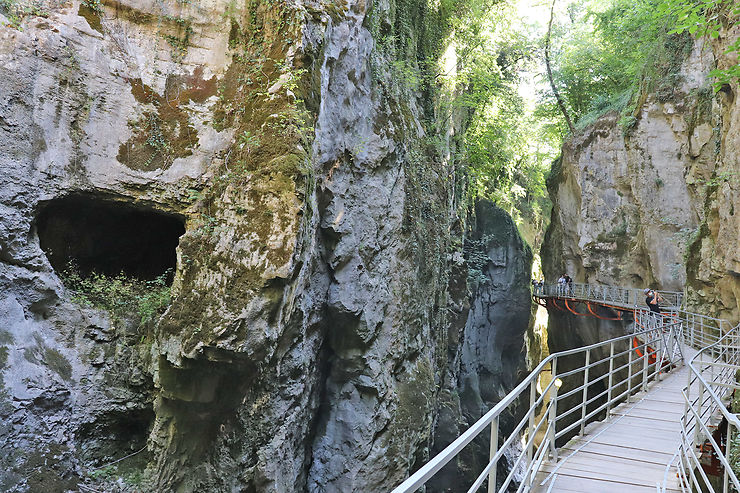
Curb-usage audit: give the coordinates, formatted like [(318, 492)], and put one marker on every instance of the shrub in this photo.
[(627, 123), (124, 297)]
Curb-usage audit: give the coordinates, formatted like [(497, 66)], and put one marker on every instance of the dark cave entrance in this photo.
[(108, 237)]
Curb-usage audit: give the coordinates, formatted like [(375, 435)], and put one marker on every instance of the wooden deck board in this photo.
[(628, 452), (571, 484)]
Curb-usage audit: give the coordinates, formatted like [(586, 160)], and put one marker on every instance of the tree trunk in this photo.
[(561, 104)]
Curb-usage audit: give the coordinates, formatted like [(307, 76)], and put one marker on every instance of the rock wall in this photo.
[(649, 199), (713, 260), (318, 317), (488, 353)]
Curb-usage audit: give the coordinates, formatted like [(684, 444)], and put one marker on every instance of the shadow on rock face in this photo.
[(492, 354), (108, 237)]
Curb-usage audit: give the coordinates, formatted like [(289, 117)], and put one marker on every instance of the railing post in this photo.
[(611, 380), (645, 365), (685, 417), (552, 418), (728, 444), (492, 453), (530, 445), (629, 373), (699, 402), (585, 391), (660, 353)]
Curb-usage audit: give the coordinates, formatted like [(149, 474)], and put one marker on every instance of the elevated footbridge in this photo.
[(611, 296), (647, 411)]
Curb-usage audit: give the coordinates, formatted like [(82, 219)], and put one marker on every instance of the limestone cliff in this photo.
[(649, 199), (488, 354), (317, 325)]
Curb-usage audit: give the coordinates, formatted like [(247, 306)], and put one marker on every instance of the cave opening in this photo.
[(92, 234)]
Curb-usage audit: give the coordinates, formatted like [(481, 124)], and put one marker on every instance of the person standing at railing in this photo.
[(561, 285), (538, 287), (653, 299), (569, 284), (535, 287)]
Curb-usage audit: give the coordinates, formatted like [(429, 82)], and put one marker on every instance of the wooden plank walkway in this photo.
[(628, 452)]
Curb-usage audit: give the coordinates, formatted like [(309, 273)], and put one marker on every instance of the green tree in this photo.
[(606, 51), (706, 18)]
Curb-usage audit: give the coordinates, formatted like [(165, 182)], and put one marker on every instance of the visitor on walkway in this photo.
[(653, 299), (569, 283), (561, 285), (535, 286)]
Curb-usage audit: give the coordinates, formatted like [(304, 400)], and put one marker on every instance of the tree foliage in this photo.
[(506, 149), (607, 51), (707, 18), (605, 55)]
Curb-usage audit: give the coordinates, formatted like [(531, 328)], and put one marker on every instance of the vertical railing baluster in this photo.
[(530, 445), (700, 401), (585, 391), (629, 374), (685, 418), (660, 352), (728, 445), (645, 364), (493, 450), (611, 380), (553, 418)]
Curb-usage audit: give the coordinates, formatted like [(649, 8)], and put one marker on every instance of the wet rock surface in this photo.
[(320, 327), (488, 352)]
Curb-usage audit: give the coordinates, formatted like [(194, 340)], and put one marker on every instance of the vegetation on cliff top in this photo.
[(606, 56), (609, 53)]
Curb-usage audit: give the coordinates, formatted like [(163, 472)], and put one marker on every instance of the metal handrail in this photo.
[(712, 375), (625, 297), (661, 338), (552, 417)]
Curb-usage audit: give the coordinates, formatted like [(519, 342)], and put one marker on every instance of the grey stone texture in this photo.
[(317, 327), (652, 203), (490, 351)]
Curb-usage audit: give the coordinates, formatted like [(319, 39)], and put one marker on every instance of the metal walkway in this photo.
[(628, 452), (647, 411)]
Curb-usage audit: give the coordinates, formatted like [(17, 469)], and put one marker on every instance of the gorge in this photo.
[(242, 246)]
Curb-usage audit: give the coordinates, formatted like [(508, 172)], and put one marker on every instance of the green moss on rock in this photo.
[(164, 133), (413, 410), (41, 354), (91, 16), (6, 337), (255, 195)]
